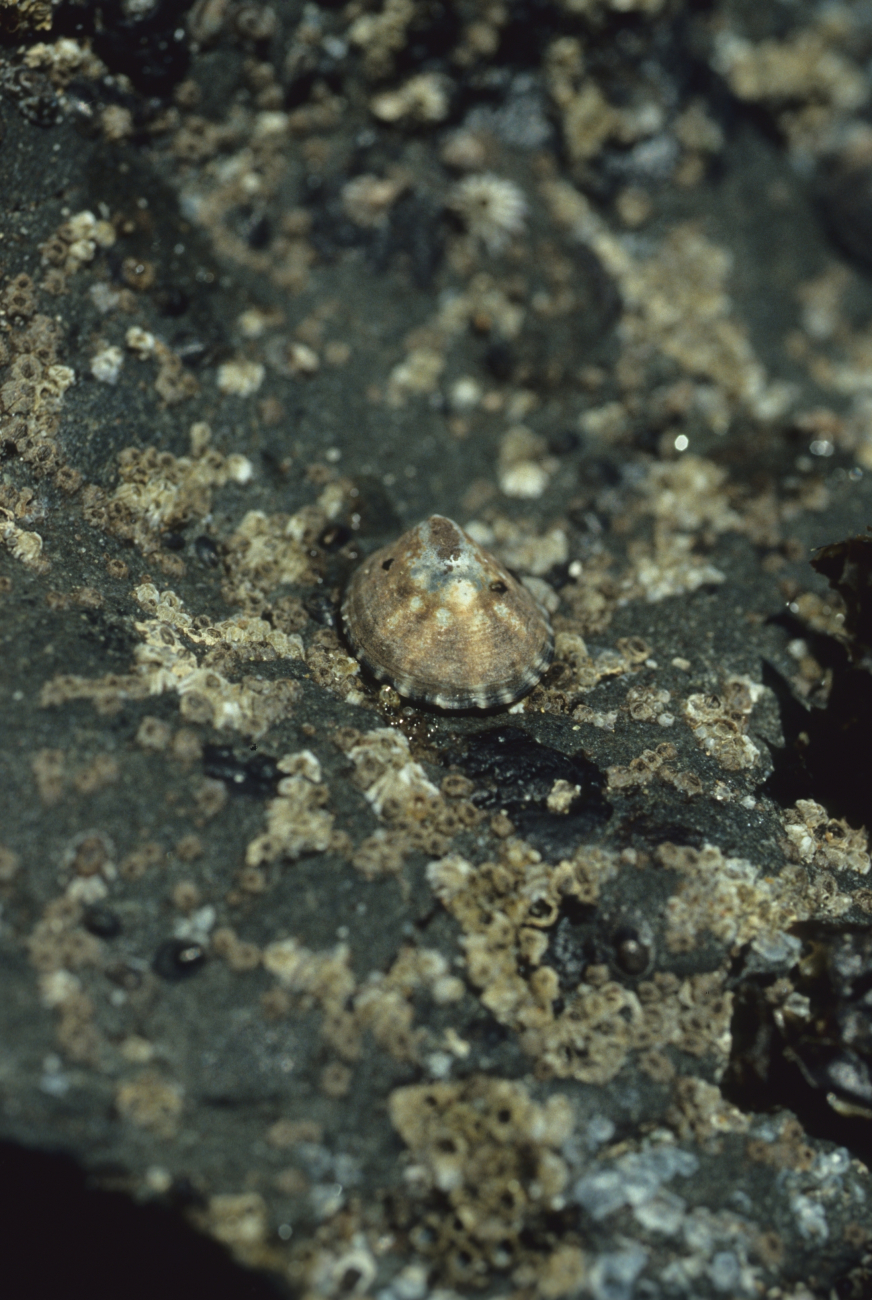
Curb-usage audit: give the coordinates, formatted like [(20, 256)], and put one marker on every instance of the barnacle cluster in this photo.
[(720, 723), (167, 660), (296, 821), (159, 491), (493, 1153), (507, 909), (33, 381), (417, 814)]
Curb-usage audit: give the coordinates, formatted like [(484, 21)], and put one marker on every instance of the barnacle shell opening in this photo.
[(444, 622)]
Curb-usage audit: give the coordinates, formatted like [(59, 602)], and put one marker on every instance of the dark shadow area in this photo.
[(847, 567), (255, 775), (516, 774), (805, 1043), (844, 200), (62, 1237), (648, 830), (826, 755), (151, 49), (810, 1052)]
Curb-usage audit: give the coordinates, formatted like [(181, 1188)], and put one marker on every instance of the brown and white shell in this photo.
[(442, 621)]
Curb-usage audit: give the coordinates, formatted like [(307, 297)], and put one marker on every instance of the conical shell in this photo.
[(441, 620)]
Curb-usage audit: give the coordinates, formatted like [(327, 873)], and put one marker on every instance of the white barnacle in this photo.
[(491, 207)]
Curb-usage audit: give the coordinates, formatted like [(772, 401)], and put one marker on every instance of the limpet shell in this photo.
[(442, 621)]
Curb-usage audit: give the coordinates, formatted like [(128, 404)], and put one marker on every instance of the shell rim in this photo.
[(477, 700)]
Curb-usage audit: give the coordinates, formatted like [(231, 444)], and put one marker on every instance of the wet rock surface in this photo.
[(568, 998)]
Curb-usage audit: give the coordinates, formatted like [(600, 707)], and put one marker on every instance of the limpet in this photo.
[(444, 622)]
